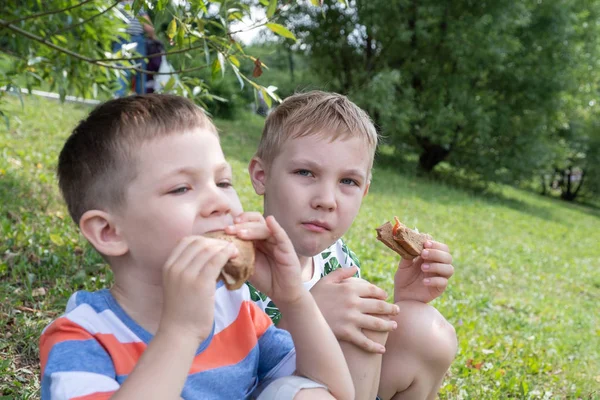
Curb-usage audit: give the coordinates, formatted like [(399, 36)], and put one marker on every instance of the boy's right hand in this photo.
[(189, 285), (352, 304)]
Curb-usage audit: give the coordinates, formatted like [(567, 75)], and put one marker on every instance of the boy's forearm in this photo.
[(318, 353), (162, 370)]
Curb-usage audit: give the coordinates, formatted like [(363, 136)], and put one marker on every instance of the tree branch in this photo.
[(49, 12), (87, 59), (87, 20), (164, 53)]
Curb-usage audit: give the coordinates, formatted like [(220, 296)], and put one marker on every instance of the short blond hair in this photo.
[(326, 114)]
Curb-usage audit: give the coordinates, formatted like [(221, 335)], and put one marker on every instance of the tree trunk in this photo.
[(432, 155), (567, 192)]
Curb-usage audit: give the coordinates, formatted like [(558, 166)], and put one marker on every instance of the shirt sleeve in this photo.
[(277, 356), (74, 364), (264, 303)]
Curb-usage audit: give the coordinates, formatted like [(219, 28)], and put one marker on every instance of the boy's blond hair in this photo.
[(330, 115), (99, 159)]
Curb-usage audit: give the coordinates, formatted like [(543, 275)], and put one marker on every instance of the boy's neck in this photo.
[(140, 296), (307, 268)]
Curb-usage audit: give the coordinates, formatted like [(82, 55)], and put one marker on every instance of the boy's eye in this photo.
[(224, 184), (180, 190), (303, 172), (348, 181)]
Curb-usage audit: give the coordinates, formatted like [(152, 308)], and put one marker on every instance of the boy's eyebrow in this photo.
[(356, 172), (190, 171), (223, 167)]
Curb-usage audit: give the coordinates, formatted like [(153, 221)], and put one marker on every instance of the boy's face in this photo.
[(183, 187), (315, 187)]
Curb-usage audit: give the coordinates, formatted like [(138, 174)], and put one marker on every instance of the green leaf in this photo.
[(172, 28), (264, 2), (170, 84), (234, 60), (216, 68), (316, 3), (56, 239), (272, 8), (181, 36), (281, 30), (266, 97)]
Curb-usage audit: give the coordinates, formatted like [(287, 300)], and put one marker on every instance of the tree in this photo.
[(477, 84), (66, 44)]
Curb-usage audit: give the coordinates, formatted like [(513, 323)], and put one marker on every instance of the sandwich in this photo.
[(403, 240), (238, 269)]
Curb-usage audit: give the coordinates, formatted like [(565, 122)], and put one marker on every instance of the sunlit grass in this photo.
[(523, 299)]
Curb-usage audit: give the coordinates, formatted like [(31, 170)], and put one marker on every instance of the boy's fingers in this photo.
[(209, 268), (432, 244), (251, 216), (359, 339), (443, 270), (435, 255), (340, 274), (373, 306), (375, 323), (177, 251), (436, 282), (281, 238), (365, 289), (250, 230)]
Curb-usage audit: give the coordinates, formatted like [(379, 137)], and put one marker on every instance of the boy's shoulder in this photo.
[(88, 315)]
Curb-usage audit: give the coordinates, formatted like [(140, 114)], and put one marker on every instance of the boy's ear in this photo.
[(367, 189), (258, 175), (100, 229)]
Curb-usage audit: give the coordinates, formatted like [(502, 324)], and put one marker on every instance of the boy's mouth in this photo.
[(316, 226)]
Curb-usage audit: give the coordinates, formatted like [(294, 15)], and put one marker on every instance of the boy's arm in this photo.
[(187, 317), (189, 278), (318, 354)]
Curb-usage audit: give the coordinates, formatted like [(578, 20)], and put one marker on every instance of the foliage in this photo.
[(485, 86), (66, 44), (522, 298)]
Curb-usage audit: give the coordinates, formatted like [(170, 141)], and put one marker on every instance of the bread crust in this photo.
[(404, 241), (237, 270)]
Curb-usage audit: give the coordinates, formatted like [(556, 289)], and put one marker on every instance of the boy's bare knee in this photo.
[(317, 393), (425, 332)]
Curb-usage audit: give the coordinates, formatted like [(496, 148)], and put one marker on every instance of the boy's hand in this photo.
[(425, 277), (189, 285), (352, 304), (277, 270)]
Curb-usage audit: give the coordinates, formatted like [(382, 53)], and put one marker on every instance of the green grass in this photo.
[(523, 299)]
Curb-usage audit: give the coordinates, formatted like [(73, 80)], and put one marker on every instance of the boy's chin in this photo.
[(310, 249)]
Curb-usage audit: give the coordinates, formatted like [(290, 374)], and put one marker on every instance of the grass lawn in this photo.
[(524, 298)]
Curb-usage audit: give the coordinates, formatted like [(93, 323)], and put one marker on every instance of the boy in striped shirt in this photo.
[(144, 177)]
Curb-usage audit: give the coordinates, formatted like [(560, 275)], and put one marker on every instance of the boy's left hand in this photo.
[(277, 270), (424, 278)]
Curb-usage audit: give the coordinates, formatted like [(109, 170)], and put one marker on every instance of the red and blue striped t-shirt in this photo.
[(89, 351)]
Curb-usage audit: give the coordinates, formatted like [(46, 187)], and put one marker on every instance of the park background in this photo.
[(491, 142)]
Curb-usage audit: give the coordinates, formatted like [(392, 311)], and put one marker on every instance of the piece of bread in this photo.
[(403, 240), (237, 270)]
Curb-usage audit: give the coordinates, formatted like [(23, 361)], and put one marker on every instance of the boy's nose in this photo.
[(214, 202), (325, 199)]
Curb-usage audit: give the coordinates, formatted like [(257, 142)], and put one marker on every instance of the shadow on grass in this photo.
[(471, 185)]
